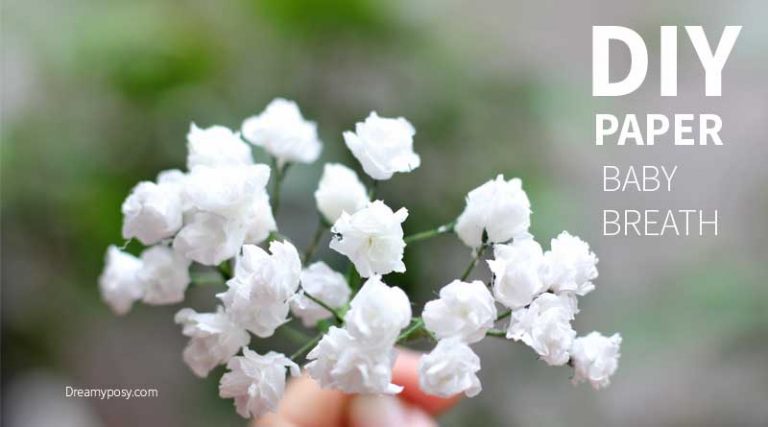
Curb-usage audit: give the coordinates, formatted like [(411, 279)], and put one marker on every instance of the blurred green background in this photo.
[(97, 95)]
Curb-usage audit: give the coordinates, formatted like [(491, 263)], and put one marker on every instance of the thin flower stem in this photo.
[(417, 324), (315, 240), (472, 264), (306, 347), (504, 315), (372, 189), (293, 334), (280, 172), (496, 333), (333, 311), (446, 228)]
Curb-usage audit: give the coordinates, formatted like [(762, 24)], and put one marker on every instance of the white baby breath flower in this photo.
[(216, 146), (323, 283), (372, 238), (339, 190), (571, 266), (256, 382), (517, 270), (342, 362), (209, 239), (214, 339), (595, 359), (464, 310), (378, 312), (259, 220), (282, 131), (270, 276), (164, 275), (119, 282), (152, 212), (498, 207), (261, 317), (383, 146), (174, 180), (226, 191), (450, 368), (545, 326), (173, 177), (257, 296)]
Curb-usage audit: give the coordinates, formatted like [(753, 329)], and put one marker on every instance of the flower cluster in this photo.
[(217, 220)]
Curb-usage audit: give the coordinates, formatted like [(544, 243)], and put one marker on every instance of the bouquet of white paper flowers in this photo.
[(207, 224)]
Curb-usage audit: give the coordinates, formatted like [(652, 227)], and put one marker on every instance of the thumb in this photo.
[(386, 411)]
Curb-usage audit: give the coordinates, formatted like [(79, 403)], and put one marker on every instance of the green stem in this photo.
[(496, 333), (315, 240), (279, 171), (446, 228), (306, 347), (472, 264), (333, 311), (293, 334), (416, 325), (504, 315), (372, 189)]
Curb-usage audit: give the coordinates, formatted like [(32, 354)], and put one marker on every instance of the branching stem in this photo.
[(321, 227), (280, 172), (446, 228), (333, 311), (306, 347), (474, 261)]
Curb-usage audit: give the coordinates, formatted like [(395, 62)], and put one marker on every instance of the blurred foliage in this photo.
[(328, 19)]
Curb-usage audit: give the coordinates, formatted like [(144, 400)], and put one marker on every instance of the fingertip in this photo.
[(386, 411), (406, 373), (306, 404)]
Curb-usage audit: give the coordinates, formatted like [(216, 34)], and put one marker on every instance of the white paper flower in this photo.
[(256, 382), (216, 146), (282, 131), (499, 207), (339, 190), (464, 310), (164, 275), (571, 266), (323, 283), (119, 282), (270, 276), (152, 212), (378, 312), (545, 326), (261, 317), (341, 362), (172, 177), (450, 368), (595, 359), (259, 220), (383, 146), (372, 238), (209, 239), (226, 191), (214, 339), (517, 271)]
